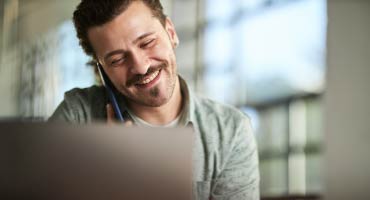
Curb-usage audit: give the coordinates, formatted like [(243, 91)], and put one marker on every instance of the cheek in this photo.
[(162, 48), (118, 76)]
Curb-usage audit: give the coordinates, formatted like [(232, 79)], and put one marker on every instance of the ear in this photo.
[(170, 29)]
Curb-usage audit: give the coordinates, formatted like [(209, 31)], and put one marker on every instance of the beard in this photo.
[(155, 96), (154, 92)]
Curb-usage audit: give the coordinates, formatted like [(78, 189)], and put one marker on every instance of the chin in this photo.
[(153, 102), (152, 99)]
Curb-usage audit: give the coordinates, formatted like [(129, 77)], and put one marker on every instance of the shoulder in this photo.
[(81, 105), (84, 94), (223, 131), (220, 124), (85, 98), (219, 114)]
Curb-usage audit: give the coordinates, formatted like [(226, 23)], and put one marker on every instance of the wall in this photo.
[(9, 73), (347, 100)]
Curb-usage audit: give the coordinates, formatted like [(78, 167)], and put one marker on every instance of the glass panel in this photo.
[(277, 58), (271, 53), (314, 173), (273, 177), (272, 134), (297, 173), (314, 122), (297, 124)]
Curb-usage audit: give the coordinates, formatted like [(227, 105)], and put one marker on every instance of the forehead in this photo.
[(133, 22)]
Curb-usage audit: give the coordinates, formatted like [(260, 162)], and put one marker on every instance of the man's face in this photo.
[(137, 53)]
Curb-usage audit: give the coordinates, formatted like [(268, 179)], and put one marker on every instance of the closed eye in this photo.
[(147, 44), (117, 61)]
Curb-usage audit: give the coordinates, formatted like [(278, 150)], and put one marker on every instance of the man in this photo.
[(134, 43)]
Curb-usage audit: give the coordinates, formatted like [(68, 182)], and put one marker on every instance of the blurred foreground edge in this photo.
[(55, 161)]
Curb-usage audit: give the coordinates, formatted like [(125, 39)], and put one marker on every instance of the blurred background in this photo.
[(291, 65)]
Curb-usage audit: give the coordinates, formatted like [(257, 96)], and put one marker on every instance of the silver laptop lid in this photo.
[(43, 161)]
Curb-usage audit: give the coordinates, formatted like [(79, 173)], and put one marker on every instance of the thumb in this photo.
[(128, 123), (110, 114), (111, 117)]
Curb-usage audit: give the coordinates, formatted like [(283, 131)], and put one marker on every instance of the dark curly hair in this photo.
[(92, 13)]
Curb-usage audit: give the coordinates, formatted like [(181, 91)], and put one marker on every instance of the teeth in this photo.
[(150, 78)]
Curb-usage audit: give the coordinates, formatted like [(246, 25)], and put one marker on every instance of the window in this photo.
[(268, 58)]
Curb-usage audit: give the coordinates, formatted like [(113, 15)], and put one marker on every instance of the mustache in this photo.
[(138, 77)]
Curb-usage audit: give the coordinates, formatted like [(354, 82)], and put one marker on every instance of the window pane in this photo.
[(272, 52)]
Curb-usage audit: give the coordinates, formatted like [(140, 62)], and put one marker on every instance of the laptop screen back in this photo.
[(43, 161)]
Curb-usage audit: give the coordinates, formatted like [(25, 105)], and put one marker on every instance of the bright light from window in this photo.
[(269, 53)]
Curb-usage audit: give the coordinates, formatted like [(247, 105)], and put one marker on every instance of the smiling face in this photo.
[(137, 53)]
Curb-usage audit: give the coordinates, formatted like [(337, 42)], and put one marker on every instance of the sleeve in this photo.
[(63, 113), (239, 179), (73, 108)]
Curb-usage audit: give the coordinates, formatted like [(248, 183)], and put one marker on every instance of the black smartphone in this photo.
[(109, 88)]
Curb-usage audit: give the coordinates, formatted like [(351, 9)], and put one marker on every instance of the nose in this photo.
[(140, 62)]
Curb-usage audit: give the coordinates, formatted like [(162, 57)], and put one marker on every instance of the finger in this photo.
[(110, 114), (128, 123)]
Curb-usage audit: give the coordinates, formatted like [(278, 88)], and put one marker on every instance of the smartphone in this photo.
[(109, 88)]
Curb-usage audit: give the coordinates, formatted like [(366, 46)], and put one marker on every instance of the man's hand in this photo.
[(112, 120)]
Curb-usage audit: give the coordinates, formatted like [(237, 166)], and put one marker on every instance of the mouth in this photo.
[(149, 80)]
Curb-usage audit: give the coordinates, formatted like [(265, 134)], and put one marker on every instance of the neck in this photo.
[(164, 114)]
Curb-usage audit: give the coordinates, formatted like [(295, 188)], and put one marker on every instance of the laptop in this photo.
[(60, 162)]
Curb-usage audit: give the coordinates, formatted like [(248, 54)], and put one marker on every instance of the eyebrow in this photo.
[(119, 51), (142, 37)]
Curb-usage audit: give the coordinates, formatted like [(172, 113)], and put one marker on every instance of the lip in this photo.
[(151, 83)]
